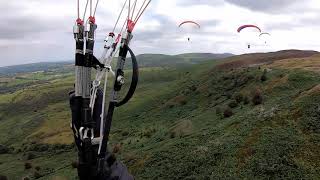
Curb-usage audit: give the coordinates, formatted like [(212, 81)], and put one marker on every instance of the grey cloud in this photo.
[(19, 24), (264, 5), (200, 2), (280, 26), (209, 23), (21, 27), (299, 22)]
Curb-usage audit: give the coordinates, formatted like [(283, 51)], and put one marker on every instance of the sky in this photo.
[(41, 30)]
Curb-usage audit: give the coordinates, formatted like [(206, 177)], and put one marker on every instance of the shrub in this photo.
[(147, 132), (239, 97), (257, 97), (183, 102), (37, 175), (116, 148), (30, 156), (233, 104), (27, 165), (2, 177), (229, 95), (227, 112), (172, 135), (193, 88), (218, 111), (125, 133), (3, 149), (37, 168), (37, 147), (264, 76), (74, 164), (246, 100)]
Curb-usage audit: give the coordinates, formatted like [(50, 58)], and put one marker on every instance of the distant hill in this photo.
[(257, 59), (154, 60), (34, 67), (145, 60)]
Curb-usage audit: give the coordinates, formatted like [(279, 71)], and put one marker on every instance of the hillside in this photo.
[(154, 60), (34, 67), (145, 60), (252, 116), (257, 59)]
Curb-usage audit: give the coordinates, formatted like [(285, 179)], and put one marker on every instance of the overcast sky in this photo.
[(41, 30)]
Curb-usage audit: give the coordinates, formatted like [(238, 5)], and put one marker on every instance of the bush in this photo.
[(246, 100), (27, 165), (26, 178), (218, 111), (227, 112), (116, 148), (37, 175), (229, 95), (3, 149), (257, 97), (125, 133), (30, 156), (183, 102), (147, 132), (239, 97), (37, 168), (172, 135), (193, 88), (2, 177), (233, 104), (74, 164), (264, 76)]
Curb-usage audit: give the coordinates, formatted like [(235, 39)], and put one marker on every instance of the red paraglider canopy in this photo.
[(246, 26), (192, 22)]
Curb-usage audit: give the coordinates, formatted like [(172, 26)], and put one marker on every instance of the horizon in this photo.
[(72, 61)]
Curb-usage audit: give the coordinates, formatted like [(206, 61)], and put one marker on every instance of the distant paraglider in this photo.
[(263, 35), (190, 25), (248, 26)]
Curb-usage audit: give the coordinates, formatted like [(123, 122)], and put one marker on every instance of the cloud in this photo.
[(200, 2), (264, 5), (41, 30), (21, 27)]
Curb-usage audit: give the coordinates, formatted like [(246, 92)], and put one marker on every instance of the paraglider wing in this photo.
[(190, 22), (264, 34), (247, 26)]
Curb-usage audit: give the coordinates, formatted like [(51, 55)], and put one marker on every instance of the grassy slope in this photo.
[(171, 130)]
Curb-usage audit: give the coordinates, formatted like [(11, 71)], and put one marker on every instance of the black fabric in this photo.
[(134, 80), (114, 170), (75, 106), (79, 60), (120, 172), (96, 63)]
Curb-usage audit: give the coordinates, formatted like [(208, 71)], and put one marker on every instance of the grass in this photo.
[(171, 130)]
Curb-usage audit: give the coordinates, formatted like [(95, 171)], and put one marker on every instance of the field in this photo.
[(253, 116)]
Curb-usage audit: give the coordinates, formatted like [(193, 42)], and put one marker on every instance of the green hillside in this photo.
[(258, 119), (34, 67), (145, 60), (155, 60)]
